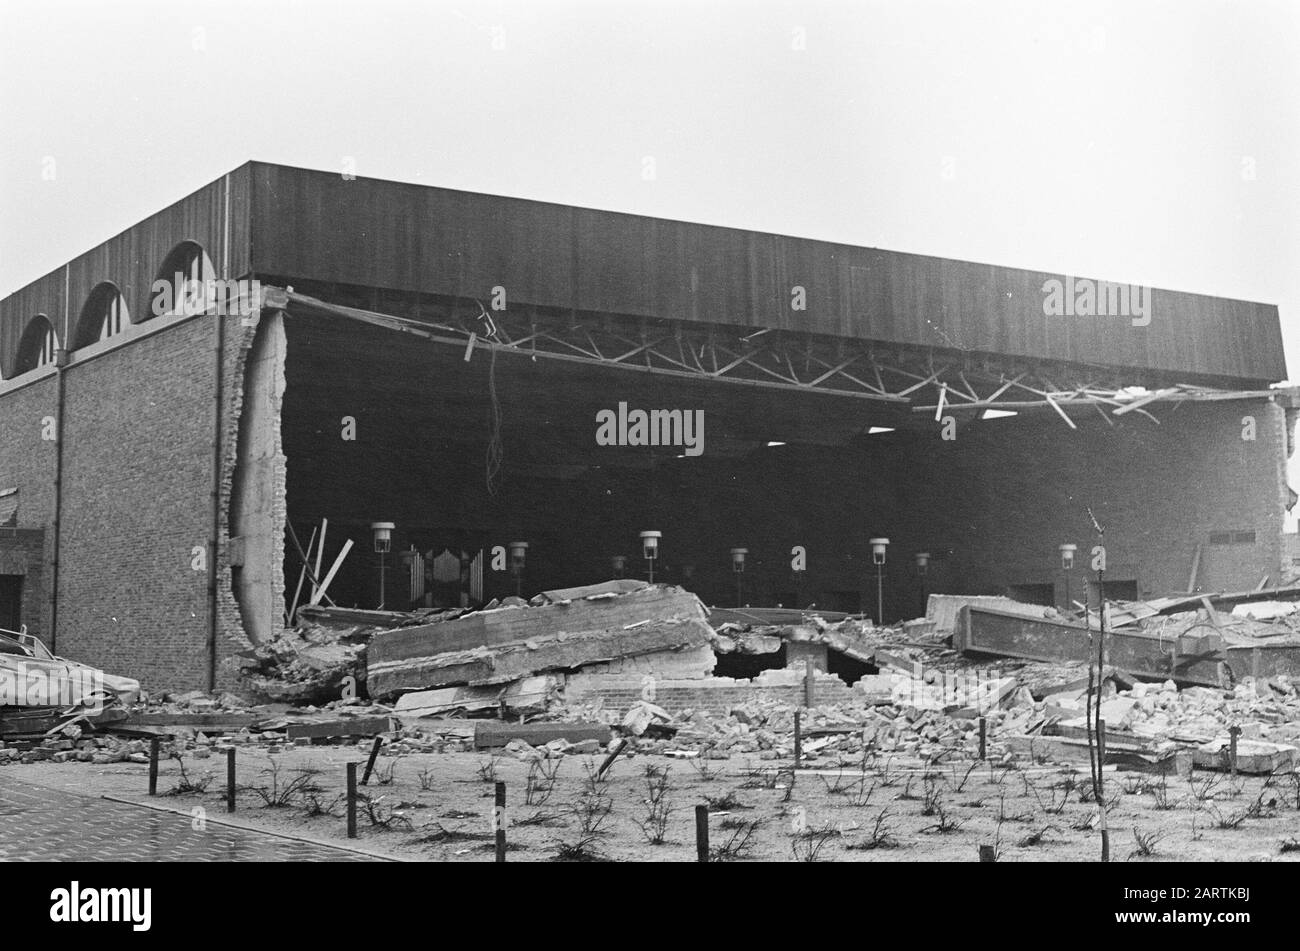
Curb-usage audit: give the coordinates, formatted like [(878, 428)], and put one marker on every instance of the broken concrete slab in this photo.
[(1254, 757), (432, 703), (500, 646), (1074, 752), (617, 586), (1142, 654)]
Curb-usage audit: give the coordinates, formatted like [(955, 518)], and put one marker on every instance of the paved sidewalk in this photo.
[(39, 824)]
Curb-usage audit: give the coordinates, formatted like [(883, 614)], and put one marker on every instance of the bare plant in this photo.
[(315, 807), (188, 786), (386, 773), (739, 843), (581, 850), (703, 771), (487, 772), (886, 778), (880, 836), (540, 783), (540, 818), (1036, 838), (1146, 842), (426, 778), (658, 806), (946, 823), (1004, 816), (381, 816), (277, 793), (807, 845), (1206, 789), (959, 785), (727, 802), (932, 798)]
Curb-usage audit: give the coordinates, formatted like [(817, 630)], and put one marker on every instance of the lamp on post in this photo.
[(619, 564), (878, 546), (738, 569), (383, 532), (1067, 562), (518, 552), (650, 549)]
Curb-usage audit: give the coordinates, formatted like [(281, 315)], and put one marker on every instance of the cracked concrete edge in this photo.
[(245, 827)]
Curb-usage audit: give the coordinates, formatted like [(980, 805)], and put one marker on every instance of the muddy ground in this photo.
[(438, 807)]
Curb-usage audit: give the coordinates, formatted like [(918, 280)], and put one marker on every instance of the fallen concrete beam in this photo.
[(200, 722), (1188, 660), (490, 735), (356, 726)]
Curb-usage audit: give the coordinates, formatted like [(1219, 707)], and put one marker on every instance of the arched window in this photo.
[(185, 282), (104, 315), (38, 345)]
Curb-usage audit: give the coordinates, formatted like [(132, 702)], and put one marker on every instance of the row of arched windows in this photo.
[(184, 284)]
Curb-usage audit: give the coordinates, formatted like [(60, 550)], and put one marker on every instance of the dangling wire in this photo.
[(495, 447)]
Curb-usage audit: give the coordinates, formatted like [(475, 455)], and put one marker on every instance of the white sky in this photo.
[(1099, 139)]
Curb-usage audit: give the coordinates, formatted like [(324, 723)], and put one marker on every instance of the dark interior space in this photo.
[(422, 431), (11, 601)]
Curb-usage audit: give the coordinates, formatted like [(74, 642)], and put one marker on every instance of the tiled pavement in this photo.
[(38, 824)]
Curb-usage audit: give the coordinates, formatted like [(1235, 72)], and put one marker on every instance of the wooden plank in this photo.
[(493, 734), (338, 563), (357, 726)]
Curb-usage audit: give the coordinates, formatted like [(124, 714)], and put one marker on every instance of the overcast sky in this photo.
[(1150, 142)]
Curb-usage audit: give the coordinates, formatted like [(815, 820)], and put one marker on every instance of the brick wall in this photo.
[(137, 484), (22, 552), (27, 463), (1005, 494)]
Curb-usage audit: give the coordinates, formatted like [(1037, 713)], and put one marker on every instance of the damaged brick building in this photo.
[(439, 360)]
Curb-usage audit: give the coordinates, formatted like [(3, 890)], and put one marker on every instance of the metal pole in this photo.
[(230, 780), (798, 741), (702, 833), (880, 595), (381, 580), (983, 737), (809, 683), (352, 800), (499, 821), (153, 766), (370, 763)]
